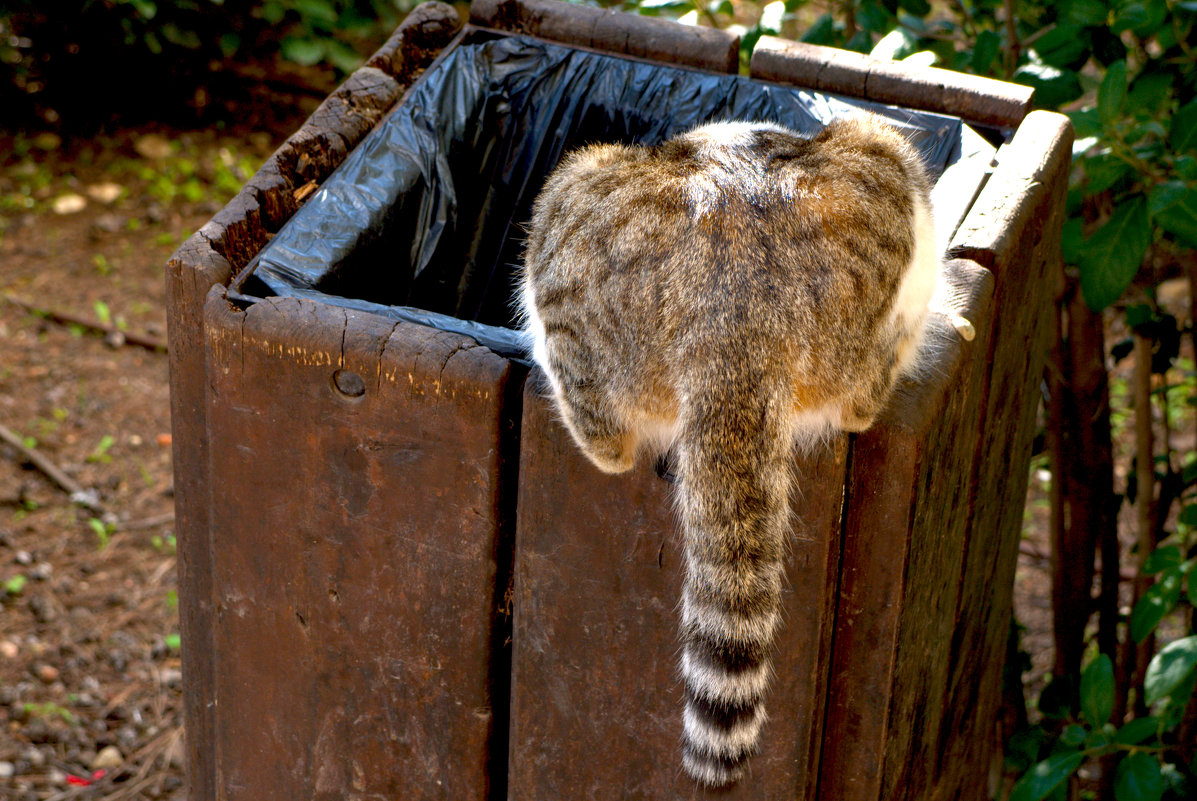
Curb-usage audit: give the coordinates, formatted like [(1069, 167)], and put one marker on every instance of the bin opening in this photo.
[(422, 221)]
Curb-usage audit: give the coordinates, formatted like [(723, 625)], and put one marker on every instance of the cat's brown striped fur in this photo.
[(726, 293)]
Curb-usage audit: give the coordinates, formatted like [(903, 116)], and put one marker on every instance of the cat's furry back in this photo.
[(725, 293)]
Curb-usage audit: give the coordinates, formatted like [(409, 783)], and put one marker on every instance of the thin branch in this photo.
[(110, 331), (52, 471), (1013, 48)]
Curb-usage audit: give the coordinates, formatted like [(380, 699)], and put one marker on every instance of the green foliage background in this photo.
[(80, 64)]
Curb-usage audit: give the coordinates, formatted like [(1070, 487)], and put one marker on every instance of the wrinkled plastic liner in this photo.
[(422, 221)]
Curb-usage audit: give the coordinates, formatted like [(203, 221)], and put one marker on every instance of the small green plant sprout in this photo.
[(103, 266), (100, 453), (165, 545), (103, 314), (49, 710), (172, 600), (103, 531), (15, 585), (174, 642)]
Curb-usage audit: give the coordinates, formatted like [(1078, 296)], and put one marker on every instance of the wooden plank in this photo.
[(596, 703), (1015, 226), (975, 99), (648, 37), (903, 526), (193, 268), (209, 258), (355, 509), (924, 656)]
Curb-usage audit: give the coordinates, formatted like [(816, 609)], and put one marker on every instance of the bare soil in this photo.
[(90, 678)]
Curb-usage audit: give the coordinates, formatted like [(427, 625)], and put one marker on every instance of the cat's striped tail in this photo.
[(734, 466)]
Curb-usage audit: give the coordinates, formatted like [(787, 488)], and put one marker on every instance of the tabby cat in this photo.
[(728, 293)]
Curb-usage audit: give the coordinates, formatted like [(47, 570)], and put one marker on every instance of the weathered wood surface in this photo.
[(976, 99), (210, 257), (906, 514), (358, 561), (1014, 230), (617, 32), (596, 702)]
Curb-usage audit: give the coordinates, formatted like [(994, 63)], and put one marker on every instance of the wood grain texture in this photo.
[(1015, 226), (193, 268), (635, 35), (596, 703), (907, 510), (355, 497), (975, 99), (209, 258)]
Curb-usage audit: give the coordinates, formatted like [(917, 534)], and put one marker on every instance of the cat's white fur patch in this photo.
[(535, 330)]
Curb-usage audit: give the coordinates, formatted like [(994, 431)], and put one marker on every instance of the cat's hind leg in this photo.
[(599, 430)]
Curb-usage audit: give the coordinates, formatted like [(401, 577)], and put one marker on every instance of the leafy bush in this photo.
[(84, 63)]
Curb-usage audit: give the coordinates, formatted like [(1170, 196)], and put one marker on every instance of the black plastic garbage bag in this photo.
[(422, 221)]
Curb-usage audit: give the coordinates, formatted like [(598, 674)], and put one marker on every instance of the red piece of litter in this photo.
[(79, 781)]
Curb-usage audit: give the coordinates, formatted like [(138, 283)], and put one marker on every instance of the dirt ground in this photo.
[(90, 703), (89, 654)]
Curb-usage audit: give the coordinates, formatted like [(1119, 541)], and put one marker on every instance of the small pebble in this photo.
[(34, 757), (7, 770), (109, 757), (9, 649), (43, 610), (41, 571), (47, 673), (23, 558)]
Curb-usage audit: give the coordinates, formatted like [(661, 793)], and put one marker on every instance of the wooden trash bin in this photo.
[(399, 579)]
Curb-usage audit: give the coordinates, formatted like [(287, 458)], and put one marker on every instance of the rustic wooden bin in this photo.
[(399, 579)]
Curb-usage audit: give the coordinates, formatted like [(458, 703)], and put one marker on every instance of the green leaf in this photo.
[(871, 16), (1184, 128), (1179, 217), (1169, 668), (1186, 167), (1073, 735), (1111, 257), (1162, 558), (821, 31), (302, 51), (1053, 87), (1097, 691), (895, 45), (1158, 600), (985, 50), (1085, 122), (1111, 95), (174, 642), (1049, 774), (1137, 730), (1149, 92), (1070, 241), (1065, 46), (1143, 18), (1138, 778), (15, 584), (771, 16), (920, 8), (1159, 198), (1191, 590), (1084, 12)]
